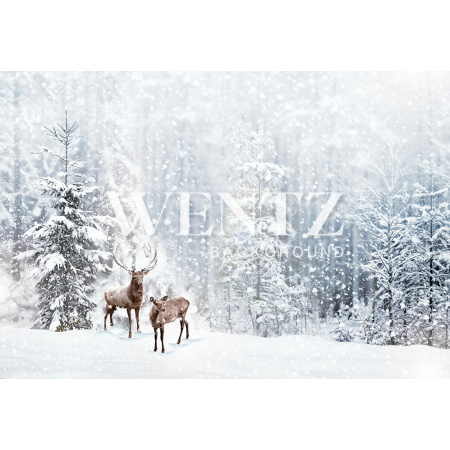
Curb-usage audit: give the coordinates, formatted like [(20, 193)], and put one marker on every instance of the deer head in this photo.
[(150, 253), (159, 304)]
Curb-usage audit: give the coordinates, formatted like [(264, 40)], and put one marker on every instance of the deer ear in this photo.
[(130, 273), (164, 299), (145, 272), (152, 299)]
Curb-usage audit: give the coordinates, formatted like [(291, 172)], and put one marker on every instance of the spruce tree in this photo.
[(65, 247), (254, 270), (430, 243), (379, 210)]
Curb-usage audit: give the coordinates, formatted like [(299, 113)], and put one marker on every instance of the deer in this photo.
[(165, 311), (130, 296)]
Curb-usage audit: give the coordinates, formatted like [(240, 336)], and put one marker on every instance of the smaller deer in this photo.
[(165, 311)]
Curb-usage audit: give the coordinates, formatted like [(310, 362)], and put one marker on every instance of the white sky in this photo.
[(232, 35)]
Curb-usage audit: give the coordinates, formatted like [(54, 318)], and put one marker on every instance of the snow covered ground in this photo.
[(31, 353)]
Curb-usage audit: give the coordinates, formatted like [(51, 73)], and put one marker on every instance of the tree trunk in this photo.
[(430, 318), (17, 186)]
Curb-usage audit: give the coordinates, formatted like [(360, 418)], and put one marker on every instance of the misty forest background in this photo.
[(382, 139)]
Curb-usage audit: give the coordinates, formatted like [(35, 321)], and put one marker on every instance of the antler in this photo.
[(119, 262), (149, 250)]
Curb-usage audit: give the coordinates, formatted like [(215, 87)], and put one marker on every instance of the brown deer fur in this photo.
[(129, 297), (165, 311)]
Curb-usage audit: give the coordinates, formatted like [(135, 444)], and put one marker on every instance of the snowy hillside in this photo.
[(27, 353)]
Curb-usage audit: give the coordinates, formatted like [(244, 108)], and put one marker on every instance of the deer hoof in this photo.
[(163, 351), (178, 342), (139, 331)]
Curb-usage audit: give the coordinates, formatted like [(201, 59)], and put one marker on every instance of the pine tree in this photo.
[(257, 271), (380, 213), (65, 247), (430, 269)]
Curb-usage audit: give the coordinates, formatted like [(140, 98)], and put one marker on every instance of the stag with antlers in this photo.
[(131, 296)]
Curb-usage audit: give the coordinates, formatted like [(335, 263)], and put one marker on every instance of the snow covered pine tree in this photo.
[(256, 277), (426, 280), (379, 210), (64, 248)]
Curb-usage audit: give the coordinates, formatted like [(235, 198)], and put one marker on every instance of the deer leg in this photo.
[(156, 338), (162, 338), (181, 331), (129, 320), (187, 328), (106, 315), (136, 312), (110, 317)]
